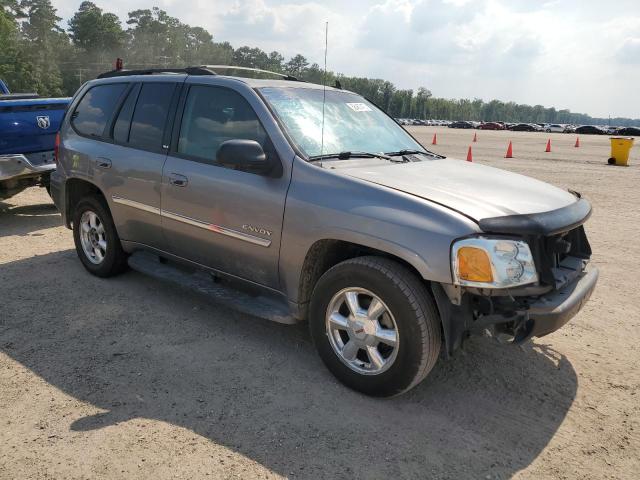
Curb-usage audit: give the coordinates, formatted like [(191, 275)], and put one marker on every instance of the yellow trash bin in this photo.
[(620, 148)]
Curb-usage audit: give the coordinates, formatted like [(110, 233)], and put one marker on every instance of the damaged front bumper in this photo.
[(552, 311), (514, 319)]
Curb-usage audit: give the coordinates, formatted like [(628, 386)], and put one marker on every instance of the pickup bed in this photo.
[(28, 127)]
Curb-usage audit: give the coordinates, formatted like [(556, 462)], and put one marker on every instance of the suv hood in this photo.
[(474, 190)]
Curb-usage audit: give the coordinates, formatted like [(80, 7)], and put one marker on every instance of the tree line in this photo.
[(37, 54)]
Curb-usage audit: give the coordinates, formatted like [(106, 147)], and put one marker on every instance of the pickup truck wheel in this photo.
[(96, 239), (375, 325)]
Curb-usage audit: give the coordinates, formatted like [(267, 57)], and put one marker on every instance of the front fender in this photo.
[(323, 204)]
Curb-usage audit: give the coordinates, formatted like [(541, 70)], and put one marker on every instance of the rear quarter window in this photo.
[(93, 112)]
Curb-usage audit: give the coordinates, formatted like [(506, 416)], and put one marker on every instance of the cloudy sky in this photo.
[(578, 54)]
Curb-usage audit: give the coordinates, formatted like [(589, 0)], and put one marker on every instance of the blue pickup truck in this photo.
[(28, 127)]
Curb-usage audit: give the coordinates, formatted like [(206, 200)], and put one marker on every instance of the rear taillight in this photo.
[(56, 148)]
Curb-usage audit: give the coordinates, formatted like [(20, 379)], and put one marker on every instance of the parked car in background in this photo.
[(28, 127), (491, 126), (523, 127), (628, 131), (589, 130), (460, 125), (570, 129), (554, 128)]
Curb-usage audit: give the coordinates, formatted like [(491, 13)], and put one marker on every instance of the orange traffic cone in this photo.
[(435, 140), (548, 149), (577, 142), (469, 155), (475, 137), (509, 151)]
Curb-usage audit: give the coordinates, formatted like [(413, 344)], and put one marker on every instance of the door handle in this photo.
[(102, 162), (178, 180)]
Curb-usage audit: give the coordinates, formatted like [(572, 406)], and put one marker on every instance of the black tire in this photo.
[(115, 258), (415, 313)]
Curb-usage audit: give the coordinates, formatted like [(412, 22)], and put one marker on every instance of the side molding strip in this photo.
[(193, 222), (217, 229), (132, 203)]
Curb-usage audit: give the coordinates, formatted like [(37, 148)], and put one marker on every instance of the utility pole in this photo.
[(79, 74), (165, 60)]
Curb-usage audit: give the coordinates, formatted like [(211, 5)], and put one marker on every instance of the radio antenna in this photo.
[(324, 85)]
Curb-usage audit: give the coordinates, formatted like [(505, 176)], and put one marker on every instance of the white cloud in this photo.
[(577, 54)]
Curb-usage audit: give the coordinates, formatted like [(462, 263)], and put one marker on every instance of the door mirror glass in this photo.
[(246, 155)]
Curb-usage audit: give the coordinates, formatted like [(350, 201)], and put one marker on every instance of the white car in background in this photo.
[(554, 128)]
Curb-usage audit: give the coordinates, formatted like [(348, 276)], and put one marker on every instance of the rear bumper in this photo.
[(57, 192), (25, 165), (555, 309)]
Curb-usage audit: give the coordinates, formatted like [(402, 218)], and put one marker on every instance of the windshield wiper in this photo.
[(348, 155), (409, 151), (403, 152)]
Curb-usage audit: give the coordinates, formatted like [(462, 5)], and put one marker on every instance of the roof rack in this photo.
[(200, 70), (152, 71), (284, 76)]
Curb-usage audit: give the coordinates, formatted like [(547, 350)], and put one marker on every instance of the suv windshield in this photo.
[(351, 124)]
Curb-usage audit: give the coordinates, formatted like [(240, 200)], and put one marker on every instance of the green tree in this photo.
[(15, 69), (94, 31), (154, 38), (45, 45), (297, 66), (275, 62), (250, 57)]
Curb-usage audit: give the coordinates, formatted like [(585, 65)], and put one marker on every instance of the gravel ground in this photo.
[(131, 378)]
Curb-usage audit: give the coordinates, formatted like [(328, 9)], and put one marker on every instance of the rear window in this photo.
[(150, 115), (96, 107)]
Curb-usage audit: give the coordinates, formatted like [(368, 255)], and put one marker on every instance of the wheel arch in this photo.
[(326, 253), (76, 189)]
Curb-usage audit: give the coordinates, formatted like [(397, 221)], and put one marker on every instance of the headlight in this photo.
[(492, 263)]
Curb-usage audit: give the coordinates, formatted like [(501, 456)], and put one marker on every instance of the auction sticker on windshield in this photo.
[(359, 107)]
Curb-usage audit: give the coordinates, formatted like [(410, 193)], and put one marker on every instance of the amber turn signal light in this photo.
[(474, 265)]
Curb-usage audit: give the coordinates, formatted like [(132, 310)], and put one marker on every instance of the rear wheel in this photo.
[(96, 239), (375, 325)]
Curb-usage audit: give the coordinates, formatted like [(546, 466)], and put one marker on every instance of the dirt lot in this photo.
[(130, 378)]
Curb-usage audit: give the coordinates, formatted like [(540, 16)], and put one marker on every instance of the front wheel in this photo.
[(375, 325), (96, 239)]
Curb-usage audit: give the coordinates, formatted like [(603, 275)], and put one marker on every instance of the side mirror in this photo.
[(245, 155)]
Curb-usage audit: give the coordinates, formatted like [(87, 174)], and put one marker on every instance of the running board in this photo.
[(203, 282)]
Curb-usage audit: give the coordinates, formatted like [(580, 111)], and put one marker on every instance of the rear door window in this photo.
[(123, 120), (150, 115), (96, 108)]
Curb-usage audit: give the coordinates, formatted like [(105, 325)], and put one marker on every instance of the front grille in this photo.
[(549, 251)]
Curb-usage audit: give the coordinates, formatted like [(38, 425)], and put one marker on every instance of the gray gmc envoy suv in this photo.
[(300, 202)]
